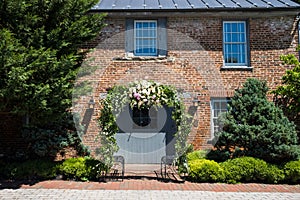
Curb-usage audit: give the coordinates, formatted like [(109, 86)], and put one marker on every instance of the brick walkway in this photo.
[(55, 194), (144, 189), (143, 184)]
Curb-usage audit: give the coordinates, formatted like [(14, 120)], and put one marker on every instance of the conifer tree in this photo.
[(254, 126)]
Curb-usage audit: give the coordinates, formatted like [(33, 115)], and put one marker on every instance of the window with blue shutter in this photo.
[(235, 45), (146, 37)]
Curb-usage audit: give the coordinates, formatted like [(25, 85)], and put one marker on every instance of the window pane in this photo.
[(224, 105), (227, 37), (228, 48), (145, 24), (216, 105), (146, 33), (139, 33), (235, 48), (242, 37), (242, 48), (234, 58), (215, 122), (153, 33), (227, 27), (235, 37), (139, 25), (234, 27), (242, 58), (153, 25), (241, 27)]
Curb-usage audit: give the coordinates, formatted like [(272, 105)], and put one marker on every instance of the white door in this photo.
[(141, 148)]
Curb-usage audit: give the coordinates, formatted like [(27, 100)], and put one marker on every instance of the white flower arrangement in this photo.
[(144, 94)]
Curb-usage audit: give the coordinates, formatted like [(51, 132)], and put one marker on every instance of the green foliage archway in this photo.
[(143, 95)]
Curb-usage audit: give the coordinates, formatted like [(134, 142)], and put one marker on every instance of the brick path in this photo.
[(143, 184), (144, 189), (54, 194)]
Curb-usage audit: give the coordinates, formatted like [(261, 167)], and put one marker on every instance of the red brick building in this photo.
[(206, 49)]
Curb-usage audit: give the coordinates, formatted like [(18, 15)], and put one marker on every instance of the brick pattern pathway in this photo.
[(143, 184), (55, 194)]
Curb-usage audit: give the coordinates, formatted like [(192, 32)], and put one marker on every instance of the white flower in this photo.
[(140, 103), (152, 89), (144, 91)]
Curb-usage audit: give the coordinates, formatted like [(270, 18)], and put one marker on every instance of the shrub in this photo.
[(202, 170), (292, 172), (83, 169), (274, 174), (199, 154), (30, 169), (254, 126), (249, 169)]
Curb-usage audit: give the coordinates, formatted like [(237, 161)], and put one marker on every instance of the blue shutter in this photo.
[(162, 36), (129, 36)]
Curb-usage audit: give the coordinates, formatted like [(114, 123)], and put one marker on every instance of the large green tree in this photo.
[(288, 94), (40, 56), (254, 126)]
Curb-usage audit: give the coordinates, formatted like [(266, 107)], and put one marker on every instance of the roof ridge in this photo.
[(106, 5)]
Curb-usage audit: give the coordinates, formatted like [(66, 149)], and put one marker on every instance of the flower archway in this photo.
[(140, 95)]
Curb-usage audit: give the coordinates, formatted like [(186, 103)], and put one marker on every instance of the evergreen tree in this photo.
[(254, 126), (39, 58)]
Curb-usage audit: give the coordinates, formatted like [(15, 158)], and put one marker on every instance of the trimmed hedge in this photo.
[(83, 169), (238, 170), (202, 170), (243, 170), (249, 169), (199, 154), (292, 172)]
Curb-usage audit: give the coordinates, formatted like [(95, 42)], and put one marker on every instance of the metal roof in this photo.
[(111, 5)]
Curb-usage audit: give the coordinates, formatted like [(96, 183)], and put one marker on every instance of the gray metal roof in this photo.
[(111, 5)]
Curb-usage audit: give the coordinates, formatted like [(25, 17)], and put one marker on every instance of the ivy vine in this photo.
[(142, 95)]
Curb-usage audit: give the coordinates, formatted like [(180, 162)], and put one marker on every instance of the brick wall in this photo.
[(193, 64)]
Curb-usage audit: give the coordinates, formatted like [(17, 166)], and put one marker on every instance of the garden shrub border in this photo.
[(78, 169), (200, 170), (243, 170)]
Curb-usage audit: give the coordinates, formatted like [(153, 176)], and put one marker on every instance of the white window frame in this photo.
[(212, 109), (135, 38), (234, 65)]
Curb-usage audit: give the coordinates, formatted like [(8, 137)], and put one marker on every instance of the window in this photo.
[(144, 118), (235, 43), (146, 37), (218, 106)]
